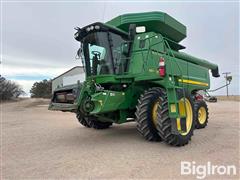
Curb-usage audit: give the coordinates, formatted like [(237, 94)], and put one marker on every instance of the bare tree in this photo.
[(9, 89)]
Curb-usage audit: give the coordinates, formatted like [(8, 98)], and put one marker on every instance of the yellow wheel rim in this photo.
[(154, 113), (202, 115), (188, 114)]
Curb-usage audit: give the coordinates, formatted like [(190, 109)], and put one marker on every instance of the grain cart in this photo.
[(135, 71)]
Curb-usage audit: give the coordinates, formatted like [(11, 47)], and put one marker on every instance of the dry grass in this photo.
[(229, 98)]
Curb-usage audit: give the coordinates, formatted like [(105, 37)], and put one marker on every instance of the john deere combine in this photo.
[(135, 71)]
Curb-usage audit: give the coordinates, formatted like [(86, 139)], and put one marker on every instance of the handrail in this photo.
[(184, 95), (172, 76)]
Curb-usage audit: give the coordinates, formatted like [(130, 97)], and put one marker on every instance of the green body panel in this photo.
[(189, 58), (154, 22), (108, 101), (183, 72)]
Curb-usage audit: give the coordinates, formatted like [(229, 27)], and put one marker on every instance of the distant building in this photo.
[(69, 77)]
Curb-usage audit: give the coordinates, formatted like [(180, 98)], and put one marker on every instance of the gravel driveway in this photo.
[(37, 144)]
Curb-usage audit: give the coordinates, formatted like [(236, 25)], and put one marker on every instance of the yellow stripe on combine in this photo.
[(193, 82)]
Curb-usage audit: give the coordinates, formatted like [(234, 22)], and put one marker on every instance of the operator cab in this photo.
[(104, 49)]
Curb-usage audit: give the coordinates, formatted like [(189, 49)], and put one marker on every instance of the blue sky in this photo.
[(28, 77), (38, 38)]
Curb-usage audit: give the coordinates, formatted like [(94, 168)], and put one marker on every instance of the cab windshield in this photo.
[(103, 53)]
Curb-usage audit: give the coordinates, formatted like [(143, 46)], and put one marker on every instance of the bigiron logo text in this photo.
[(201, 171)]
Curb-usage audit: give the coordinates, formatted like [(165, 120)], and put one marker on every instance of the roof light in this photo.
[(97, 27), (140, 29), (88, 29)]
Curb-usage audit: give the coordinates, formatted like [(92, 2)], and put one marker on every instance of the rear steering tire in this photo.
[(146, 114), (201, 110), (164, 125)]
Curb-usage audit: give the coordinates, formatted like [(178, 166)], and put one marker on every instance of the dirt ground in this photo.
[(37, 144)]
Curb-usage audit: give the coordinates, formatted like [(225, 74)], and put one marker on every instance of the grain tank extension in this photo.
[(135, 71)]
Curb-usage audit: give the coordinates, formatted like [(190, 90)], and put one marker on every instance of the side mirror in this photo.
[(79, 53), (132, 31)]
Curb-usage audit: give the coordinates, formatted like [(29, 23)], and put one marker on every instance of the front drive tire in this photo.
[(94, 123), (82, 120), (164, 125), (146, 114), (201, 110)]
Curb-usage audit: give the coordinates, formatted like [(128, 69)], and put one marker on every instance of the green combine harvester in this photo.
[(136, 72)]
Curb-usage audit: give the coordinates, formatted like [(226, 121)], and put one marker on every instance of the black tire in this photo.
[(94, 123), (82, 120), (145, 125), (197, 106), (164, 125)]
